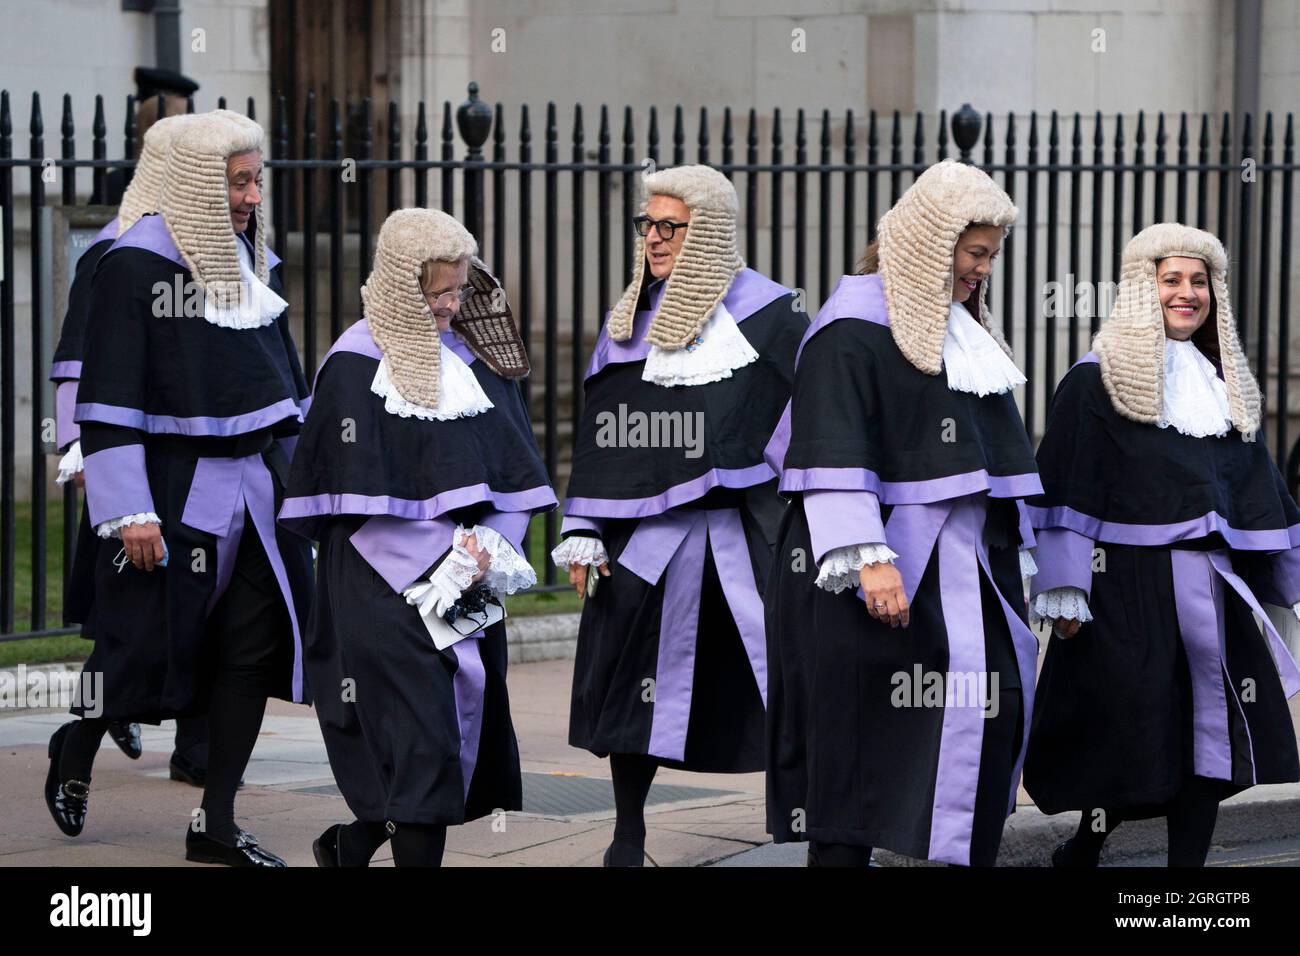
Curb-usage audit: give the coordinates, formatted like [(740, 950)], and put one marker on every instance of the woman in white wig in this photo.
[(1163, 530), (901, 667), (417, 472)]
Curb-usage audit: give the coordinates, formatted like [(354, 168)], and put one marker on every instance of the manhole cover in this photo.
[(561, 796)]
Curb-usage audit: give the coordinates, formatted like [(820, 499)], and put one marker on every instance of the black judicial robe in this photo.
[(897, 738), (65, 372), (671, 651), (195, 423), (1178, 542), (414, 734)]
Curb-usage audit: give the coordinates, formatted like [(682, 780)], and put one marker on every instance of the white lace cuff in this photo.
[(1028, 567), (508, 572), (71, 464), (1067, 602), (579, 549), (447, 583), (113, 529), (1296, 608), (840, 566)]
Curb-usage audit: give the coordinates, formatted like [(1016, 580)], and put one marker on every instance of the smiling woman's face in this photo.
[(972, 259), (1184, 285)]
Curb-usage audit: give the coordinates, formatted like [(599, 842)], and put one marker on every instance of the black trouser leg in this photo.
[(417, 844), (1094, 826), (247, 632), (838, 854), (358, 842), (1190, 822), (192, 740), (79, 748), (632, 775)]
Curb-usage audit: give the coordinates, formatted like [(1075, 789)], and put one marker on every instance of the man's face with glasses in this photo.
[(446, 289), (664, 215)]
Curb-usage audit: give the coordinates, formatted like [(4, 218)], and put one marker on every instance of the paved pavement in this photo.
[(138, 816)]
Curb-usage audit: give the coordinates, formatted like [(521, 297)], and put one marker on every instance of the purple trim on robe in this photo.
[(66, 429), (1026, 527), (401, 550), (911, 492), (511, 525), (117, 484), (953, 812), (457, 345), (842, 519), (749, 292), (579, 523), (1288, 671), (1198, 601), (259, 496), (1159, 535), (355, 338), (855, 297), (323, 505), (219, 493), (779, 443), (954, 527), (672, 545), (469, 687), (1280, 583), (200, 425), (65, 370), (677, 495), (740, 588), (107, 231), (1064, 560), (911, 532), (150, 233)]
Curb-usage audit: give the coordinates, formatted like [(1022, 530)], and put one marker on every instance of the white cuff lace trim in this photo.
[(1067, 602), (580, 549), (447, 583), (1296, 608), (717, 351), (460, 394), (508, 572), (71, 464), (840, 566), (1028, 567), (113, 529)]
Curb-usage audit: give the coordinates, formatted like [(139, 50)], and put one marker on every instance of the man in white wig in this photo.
[(189, 402)]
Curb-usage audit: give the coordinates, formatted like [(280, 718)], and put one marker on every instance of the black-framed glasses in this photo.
[(665, 227), (445, 300)]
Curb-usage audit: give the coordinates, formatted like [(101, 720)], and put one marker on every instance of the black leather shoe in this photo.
[(325, 848), (127, 737), (185, 770), (201, 848), (1065, 856), (66, 800), (624, 854)]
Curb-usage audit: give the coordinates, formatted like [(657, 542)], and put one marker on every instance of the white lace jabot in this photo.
[(717, 351), (258, 305), (1195, 399), (460, 394), (973, 360)]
